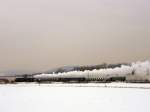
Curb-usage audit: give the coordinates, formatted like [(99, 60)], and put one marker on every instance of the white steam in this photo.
[(141, 68), (138, 68)]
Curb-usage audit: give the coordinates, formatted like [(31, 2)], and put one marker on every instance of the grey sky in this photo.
[(44, 34)]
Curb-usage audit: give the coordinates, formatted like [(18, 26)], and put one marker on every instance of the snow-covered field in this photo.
[(75, 97)]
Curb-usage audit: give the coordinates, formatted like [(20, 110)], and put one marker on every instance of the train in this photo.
[(79, 77)]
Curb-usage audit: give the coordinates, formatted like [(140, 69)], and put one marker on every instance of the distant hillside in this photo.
[(63, 69)]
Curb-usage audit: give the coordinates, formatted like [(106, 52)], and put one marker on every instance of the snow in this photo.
[(113, 97)]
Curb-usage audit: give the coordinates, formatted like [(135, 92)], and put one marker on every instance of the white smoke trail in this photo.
[(141, 68), (138, 68)]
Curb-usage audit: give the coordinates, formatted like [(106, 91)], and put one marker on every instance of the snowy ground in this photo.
[(75, 97)]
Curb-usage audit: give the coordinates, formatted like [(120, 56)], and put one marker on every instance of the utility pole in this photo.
[(133, 72)]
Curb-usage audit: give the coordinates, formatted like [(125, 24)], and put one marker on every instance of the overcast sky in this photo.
[(38, 35)]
